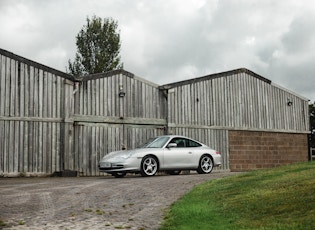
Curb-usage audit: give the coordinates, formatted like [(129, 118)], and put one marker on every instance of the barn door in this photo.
[(92, 142)]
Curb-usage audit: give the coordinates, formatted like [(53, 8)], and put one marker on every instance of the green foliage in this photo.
[(98, 48), (2, 223), (279, 198), (312, 124)]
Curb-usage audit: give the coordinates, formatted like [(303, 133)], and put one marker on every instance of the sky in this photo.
[(166, 41)]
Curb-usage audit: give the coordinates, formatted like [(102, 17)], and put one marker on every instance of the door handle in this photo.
[(189, 152)]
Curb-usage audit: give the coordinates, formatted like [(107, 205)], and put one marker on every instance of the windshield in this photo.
[(157, 142)]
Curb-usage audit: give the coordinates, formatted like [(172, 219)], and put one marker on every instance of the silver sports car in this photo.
[(168, 153)]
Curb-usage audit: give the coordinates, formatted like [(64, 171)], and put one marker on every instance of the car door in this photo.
[(180, 156)]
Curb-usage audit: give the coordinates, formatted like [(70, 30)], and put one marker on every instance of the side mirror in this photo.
[(171, 145)]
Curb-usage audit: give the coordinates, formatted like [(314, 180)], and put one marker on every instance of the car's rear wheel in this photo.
[(205, 164), (149, 166), (119, 174)]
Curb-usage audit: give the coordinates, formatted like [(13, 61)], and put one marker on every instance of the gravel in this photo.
[(133, 202)]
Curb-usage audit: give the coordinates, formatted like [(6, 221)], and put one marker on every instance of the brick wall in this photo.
[(255, 150)]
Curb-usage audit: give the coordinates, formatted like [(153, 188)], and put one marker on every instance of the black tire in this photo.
[(205, 164), (173, 172), (119, 174), (149, 166)]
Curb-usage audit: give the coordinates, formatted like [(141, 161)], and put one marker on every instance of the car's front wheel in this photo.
[(149, 166), (205, 164)]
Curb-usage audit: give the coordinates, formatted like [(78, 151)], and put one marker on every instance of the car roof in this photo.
[(171, 136), (180, 136)]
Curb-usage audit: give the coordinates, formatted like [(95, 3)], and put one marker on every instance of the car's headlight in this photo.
[(126, 156)]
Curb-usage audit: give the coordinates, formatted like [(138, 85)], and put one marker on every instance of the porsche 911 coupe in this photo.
[(169, 153)]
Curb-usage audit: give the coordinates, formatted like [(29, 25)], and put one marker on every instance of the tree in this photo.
[(98, 48), (312, 124)]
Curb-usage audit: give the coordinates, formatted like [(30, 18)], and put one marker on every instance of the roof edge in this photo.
[(106, 74), (131, 75), (290, 91), (216, 75), (147, 81), (117, 72), (37, 65)]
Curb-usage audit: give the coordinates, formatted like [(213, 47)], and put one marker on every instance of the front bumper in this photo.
[(128, 165)]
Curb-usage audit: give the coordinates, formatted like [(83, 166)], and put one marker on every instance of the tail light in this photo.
[(217, 152)]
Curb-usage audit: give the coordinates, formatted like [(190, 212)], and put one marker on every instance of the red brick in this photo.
[(252, 150)]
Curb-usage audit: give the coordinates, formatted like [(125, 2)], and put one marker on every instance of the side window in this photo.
[(181, 142), (193, 144)]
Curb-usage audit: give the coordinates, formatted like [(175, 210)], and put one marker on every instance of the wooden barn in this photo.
[(252, 121), (52, 122)]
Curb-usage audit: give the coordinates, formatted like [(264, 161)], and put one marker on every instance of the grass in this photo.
[(279, 198), (21, 222), (99, 212)]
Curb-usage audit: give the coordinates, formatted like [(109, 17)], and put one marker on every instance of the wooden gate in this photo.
[(92, 141)]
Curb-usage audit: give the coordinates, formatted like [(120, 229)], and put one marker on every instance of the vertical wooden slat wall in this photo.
[(239, 101), (30, 117), (50, 121), (208, 107), (105, 121), (100, 97), (102, 138), (95, 141)]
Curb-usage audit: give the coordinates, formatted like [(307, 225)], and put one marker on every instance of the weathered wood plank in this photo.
[(6, 145), (43, 147), (16, 142), (49, 96), (25, 147), (35, 93), (54, 152), (108, 103), (16, 104), (2, 84), (30, 147), (20, 150), (54, 96), (36, 163), (31, 91), (36, 119), (118, 120), (7, 87), (101, 97)]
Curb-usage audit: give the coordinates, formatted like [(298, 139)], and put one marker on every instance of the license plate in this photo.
[(105, 165)]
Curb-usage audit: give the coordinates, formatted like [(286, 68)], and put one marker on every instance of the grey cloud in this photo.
[(165, 41), (301, 34)]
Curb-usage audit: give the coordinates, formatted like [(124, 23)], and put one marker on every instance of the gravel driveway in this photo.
[(133, 202)]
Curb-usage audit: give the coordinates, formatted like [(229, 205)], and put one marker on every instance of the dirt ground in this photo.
[(133, 202)]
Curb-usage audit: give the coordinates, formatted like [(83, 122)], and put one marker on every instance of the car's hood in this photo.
[(117, 154), (124, 153)]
